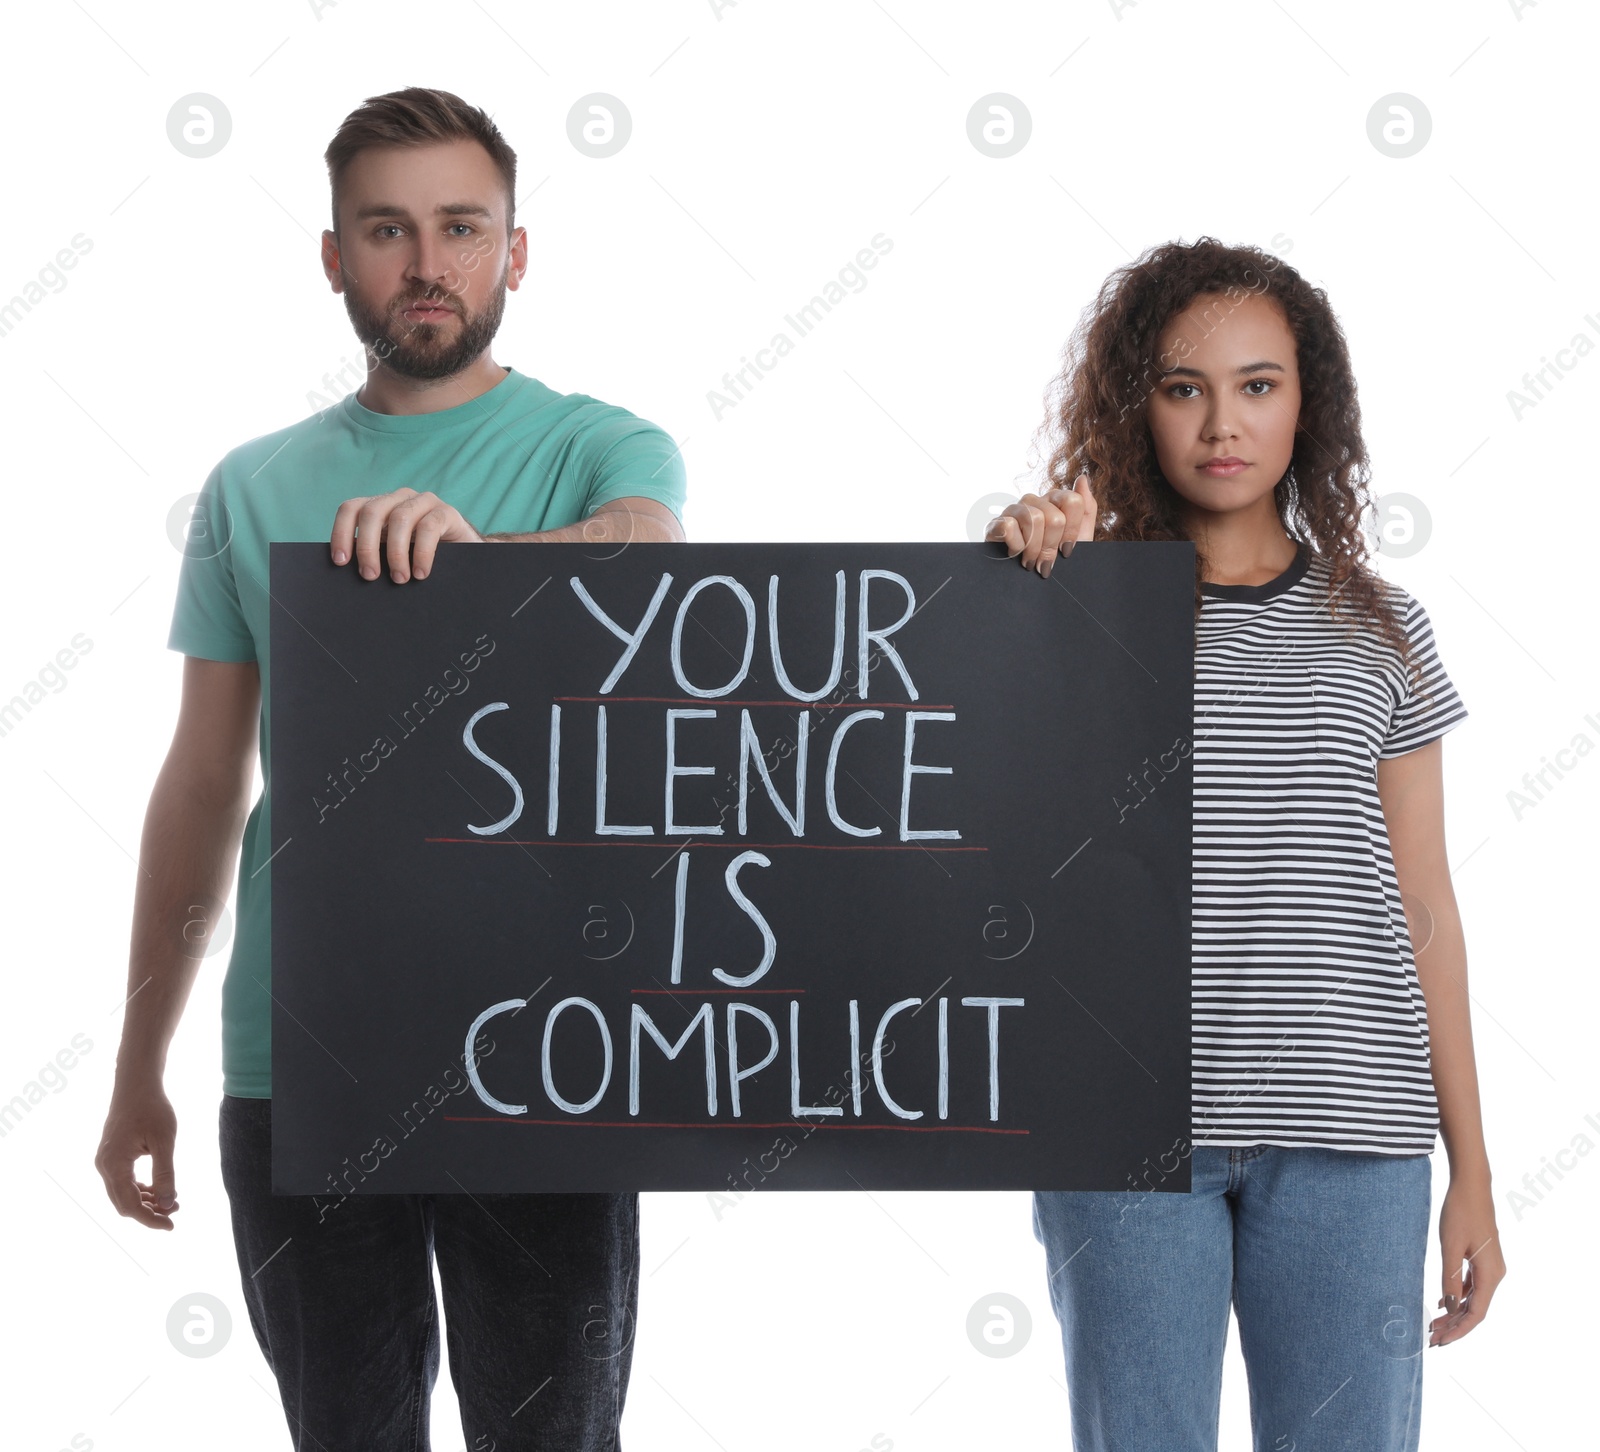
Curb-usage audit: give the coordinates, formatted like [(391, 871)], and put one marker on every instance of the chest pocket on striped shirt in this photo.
[(1352, 706)]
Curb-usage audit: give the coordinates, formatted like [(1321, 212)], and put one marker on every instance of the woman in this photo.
[(1208, 396)]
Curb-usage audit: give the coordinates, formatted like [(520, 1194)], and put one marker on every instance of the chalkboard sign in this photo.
[(724, 867)]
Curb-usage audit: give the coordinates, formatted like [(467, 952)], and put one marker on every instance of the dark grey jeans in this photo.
[(540, 1296)]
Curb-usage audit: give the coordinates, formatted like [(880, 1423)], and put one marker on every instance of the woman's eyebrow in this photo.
[(1243, 368)]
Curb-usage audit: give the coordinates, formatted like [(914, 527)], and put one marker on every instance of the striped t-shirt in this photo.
[(1310, 1026)]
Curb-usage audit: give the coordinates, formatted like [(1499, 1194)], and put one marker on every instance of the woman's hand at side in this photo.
[(1467, 1234), (1041, 527)]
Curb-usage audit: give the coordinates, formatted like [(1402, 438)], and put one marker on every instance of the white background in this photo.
[(769, 144)]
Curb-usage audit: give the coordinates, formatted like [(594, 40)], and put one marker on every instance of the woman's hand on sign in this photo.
[(405, 524), (1041, 527)]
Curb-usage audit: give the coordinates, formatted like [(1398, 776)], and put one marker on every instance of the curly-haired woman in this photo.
[(1208, 396)]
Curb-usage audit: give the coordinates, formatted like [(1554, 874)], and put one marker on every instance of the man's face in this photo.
[(422, 254)]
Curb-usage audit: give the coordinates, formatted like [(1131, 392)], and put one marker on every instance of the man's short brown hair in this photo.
[(418, 116)]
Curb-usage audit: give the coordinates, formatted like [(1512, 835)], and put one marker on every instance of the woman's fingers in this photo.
[(1032, 527)]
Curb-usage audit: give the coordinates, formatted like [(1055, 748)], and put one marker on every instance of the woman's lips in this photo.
[(1223, 468)]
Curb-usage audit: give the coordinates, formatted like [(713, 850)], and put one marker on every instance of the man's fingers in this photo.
[(342, 541), (373, 519), (126, 1194)]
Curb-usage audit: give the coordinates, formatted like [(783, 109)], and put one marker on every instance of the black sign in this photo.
[(717, 867)]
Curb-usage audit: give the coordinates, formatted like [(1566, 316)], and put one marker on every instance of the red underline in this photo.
[(674, 992), (735, 842), (802, 705), (728, 1124)]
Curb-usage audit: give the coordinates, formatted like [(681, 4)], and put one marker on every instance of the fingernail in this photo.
[(339, 557)]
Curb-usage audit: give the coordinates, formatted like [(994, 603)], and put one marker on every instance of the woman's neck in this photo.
[(1243, 547)]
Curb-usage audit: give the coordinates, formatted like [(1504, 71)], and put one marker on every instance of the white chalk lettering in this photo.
[(743, 597), (880, 636), (631, 639), (877, 1058), (838, 641), (769, 940), (736, 1075), (994, 1005), (493, 765), (544, 1056), (702, 1020), (674, 771), (912, 769), (832, 772)]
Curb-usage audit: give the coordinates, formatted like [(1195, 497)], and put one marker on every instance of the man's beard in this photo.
[(423, 350)]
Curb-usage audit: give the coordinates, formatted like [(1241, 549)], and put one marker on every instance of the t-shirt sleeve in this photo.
[(207, 619), (1425, 713), (634, 458)]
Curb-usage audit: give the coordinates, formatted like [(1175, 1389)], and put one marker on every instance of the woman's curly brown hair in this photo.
[(1096, 409)]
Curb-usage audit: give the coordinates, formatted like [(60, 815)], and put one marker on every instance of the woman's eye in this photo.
[(1267, 385), (1176, 386)]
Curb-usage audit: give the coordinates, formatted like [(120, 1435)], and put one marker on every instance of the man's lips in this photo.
[(426, 310)]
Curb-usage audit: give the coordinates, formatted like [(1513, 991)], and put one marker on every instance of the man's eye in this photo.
[(464, 226), (387, 227)]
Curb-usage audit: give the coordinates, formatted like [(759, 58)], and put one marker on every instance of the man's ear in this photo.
[(330, 261), (518, 263)]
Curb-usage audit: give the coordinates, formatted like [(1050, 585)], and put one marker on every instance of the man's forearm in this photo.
[(605, 526), (186, 855)]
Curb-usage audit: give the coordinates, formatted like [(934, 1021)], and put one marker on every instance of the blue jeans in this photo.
[(540, 1294), (1318, 1251)]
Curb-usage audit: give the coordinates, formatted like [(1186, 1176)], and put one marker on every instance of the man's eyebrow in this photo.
[(1245, 368), (444, 209)]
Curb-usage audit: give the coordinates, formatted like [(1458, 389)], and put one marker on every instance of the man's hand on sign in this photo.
[(1042, 527), (405, 525)]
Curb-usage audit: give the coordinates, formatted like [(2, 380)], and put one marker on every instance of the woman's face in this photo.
[(1227, 401)]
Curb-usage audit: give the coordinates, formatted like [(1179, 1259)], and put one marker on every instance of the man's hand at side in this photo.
[(191, 837)]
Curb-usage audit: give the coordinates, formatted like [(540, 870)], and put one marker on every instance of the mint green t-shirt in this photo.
[(516, 459)]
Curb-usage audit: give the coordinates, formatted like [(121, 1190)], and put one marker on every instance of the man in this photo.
[(440, 445)]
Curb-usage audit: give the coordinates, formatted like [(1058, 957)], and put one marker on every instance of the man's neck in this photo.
[(386, 391)]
